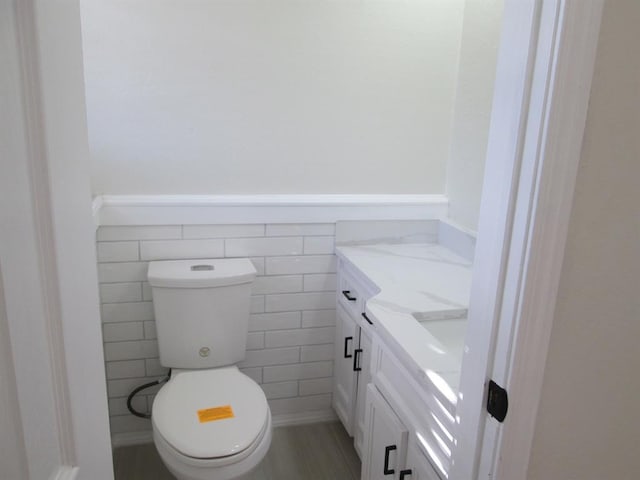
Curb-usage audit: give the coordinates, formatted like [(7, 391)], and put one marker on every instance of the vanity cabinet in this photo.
[(423, 412), (402, 420), (352, 359), (403, 437)]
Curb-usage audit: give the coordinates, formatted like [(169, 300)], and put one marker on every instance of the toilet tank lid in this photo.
[(201, 273)]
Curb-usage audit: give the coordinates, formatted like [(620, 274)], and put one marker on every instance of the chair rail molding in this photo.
[(272, 208)]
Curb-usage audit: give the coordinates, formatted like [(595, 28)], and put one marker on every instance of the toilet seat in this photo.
[(225, 468), (211, 414)]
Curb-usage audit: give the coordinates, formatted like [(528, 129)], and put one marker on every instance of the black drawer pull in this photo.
[(364, 315), (386, 470), (356, 363), (346, 347), (347, 296), (404, 473)]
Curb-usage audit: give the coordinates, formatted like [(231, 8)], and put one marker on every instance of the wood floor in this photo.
[(321, 451)]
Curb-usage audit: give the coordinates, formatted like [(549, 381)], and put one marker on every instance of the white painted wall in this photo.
[(588, 424), (284, 96), (474, 94)]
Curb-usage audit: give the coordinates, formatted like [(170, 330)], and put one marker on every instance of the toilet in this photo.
[(210, 421)]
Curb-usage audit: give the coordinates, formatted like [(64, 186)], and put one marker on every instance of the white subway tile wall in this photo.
[(291, 328)]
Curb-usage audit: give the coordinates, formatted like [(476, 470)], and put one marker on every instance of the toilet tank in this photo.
[(201, 310)]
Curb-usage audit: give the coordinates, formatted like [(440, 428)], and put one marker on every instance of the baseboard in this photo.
[(243, 209), (131, 438), (304, 418), (284, 420)]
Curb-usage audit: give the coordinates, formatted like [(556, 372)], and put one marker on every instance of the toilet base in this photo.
[(226, 468)]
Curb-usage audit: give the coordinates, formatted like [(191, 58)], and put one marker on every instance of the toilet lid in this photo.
[(210, 413)]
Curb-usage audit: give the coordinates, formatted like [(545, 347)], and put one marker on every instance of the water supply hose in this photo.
[(139, 389)]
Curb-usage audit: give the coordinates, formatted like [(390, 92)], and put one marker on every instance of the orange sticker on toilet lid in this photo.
[(215, 413)]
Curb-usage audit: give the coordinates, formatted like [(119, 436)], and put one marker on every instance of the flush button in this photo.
[(204, 351), (201, 268)]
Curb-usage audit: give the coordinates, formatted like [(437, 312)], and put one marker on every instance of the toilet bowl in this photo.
[(210, 421), (211, 424)]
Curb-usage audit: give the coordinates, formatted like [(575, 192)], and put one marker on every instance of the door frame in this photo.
[(534, 147), (47, 244)]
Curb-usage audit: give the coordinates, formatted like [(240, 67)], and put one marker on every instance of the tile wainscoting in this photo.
[(290, 340), (289, 238)]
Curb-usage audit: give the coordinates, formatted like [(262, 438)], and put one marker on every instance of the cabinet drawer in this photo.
[(350, 294)]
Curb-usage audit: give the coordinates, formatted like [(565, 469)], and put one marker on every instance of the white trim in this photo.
[(547, 216), (28, 251), (284, 420), (508, 123), (96, 206), (47, 248), (523, 225), (131, 438), (38, 162), (270, 200), (239, 209)]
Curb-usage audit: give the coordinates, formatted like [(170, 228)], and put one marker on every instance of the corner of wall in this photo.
[(472, 110)]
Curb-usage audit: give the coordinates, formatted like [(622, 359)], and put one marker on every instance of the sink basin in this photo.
[(448, 327)]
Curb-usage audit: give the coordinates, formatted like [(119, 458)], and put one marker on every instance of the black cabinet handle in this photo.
[(356, 363), (364, 315), (346, 347), (404, 473), (347, 296), (387, 450)]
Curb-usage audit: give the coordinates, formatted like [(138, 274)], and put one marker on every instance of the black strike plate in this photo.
[(497, 401)]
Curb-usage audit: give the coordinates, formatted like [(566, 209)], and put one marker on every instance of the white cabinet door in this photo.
[(344, 377), (364, 379), (386, 439), (417, 465)]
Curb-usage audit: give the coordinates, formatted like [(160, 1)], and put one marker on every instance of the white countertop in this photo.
[(421, 306)]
